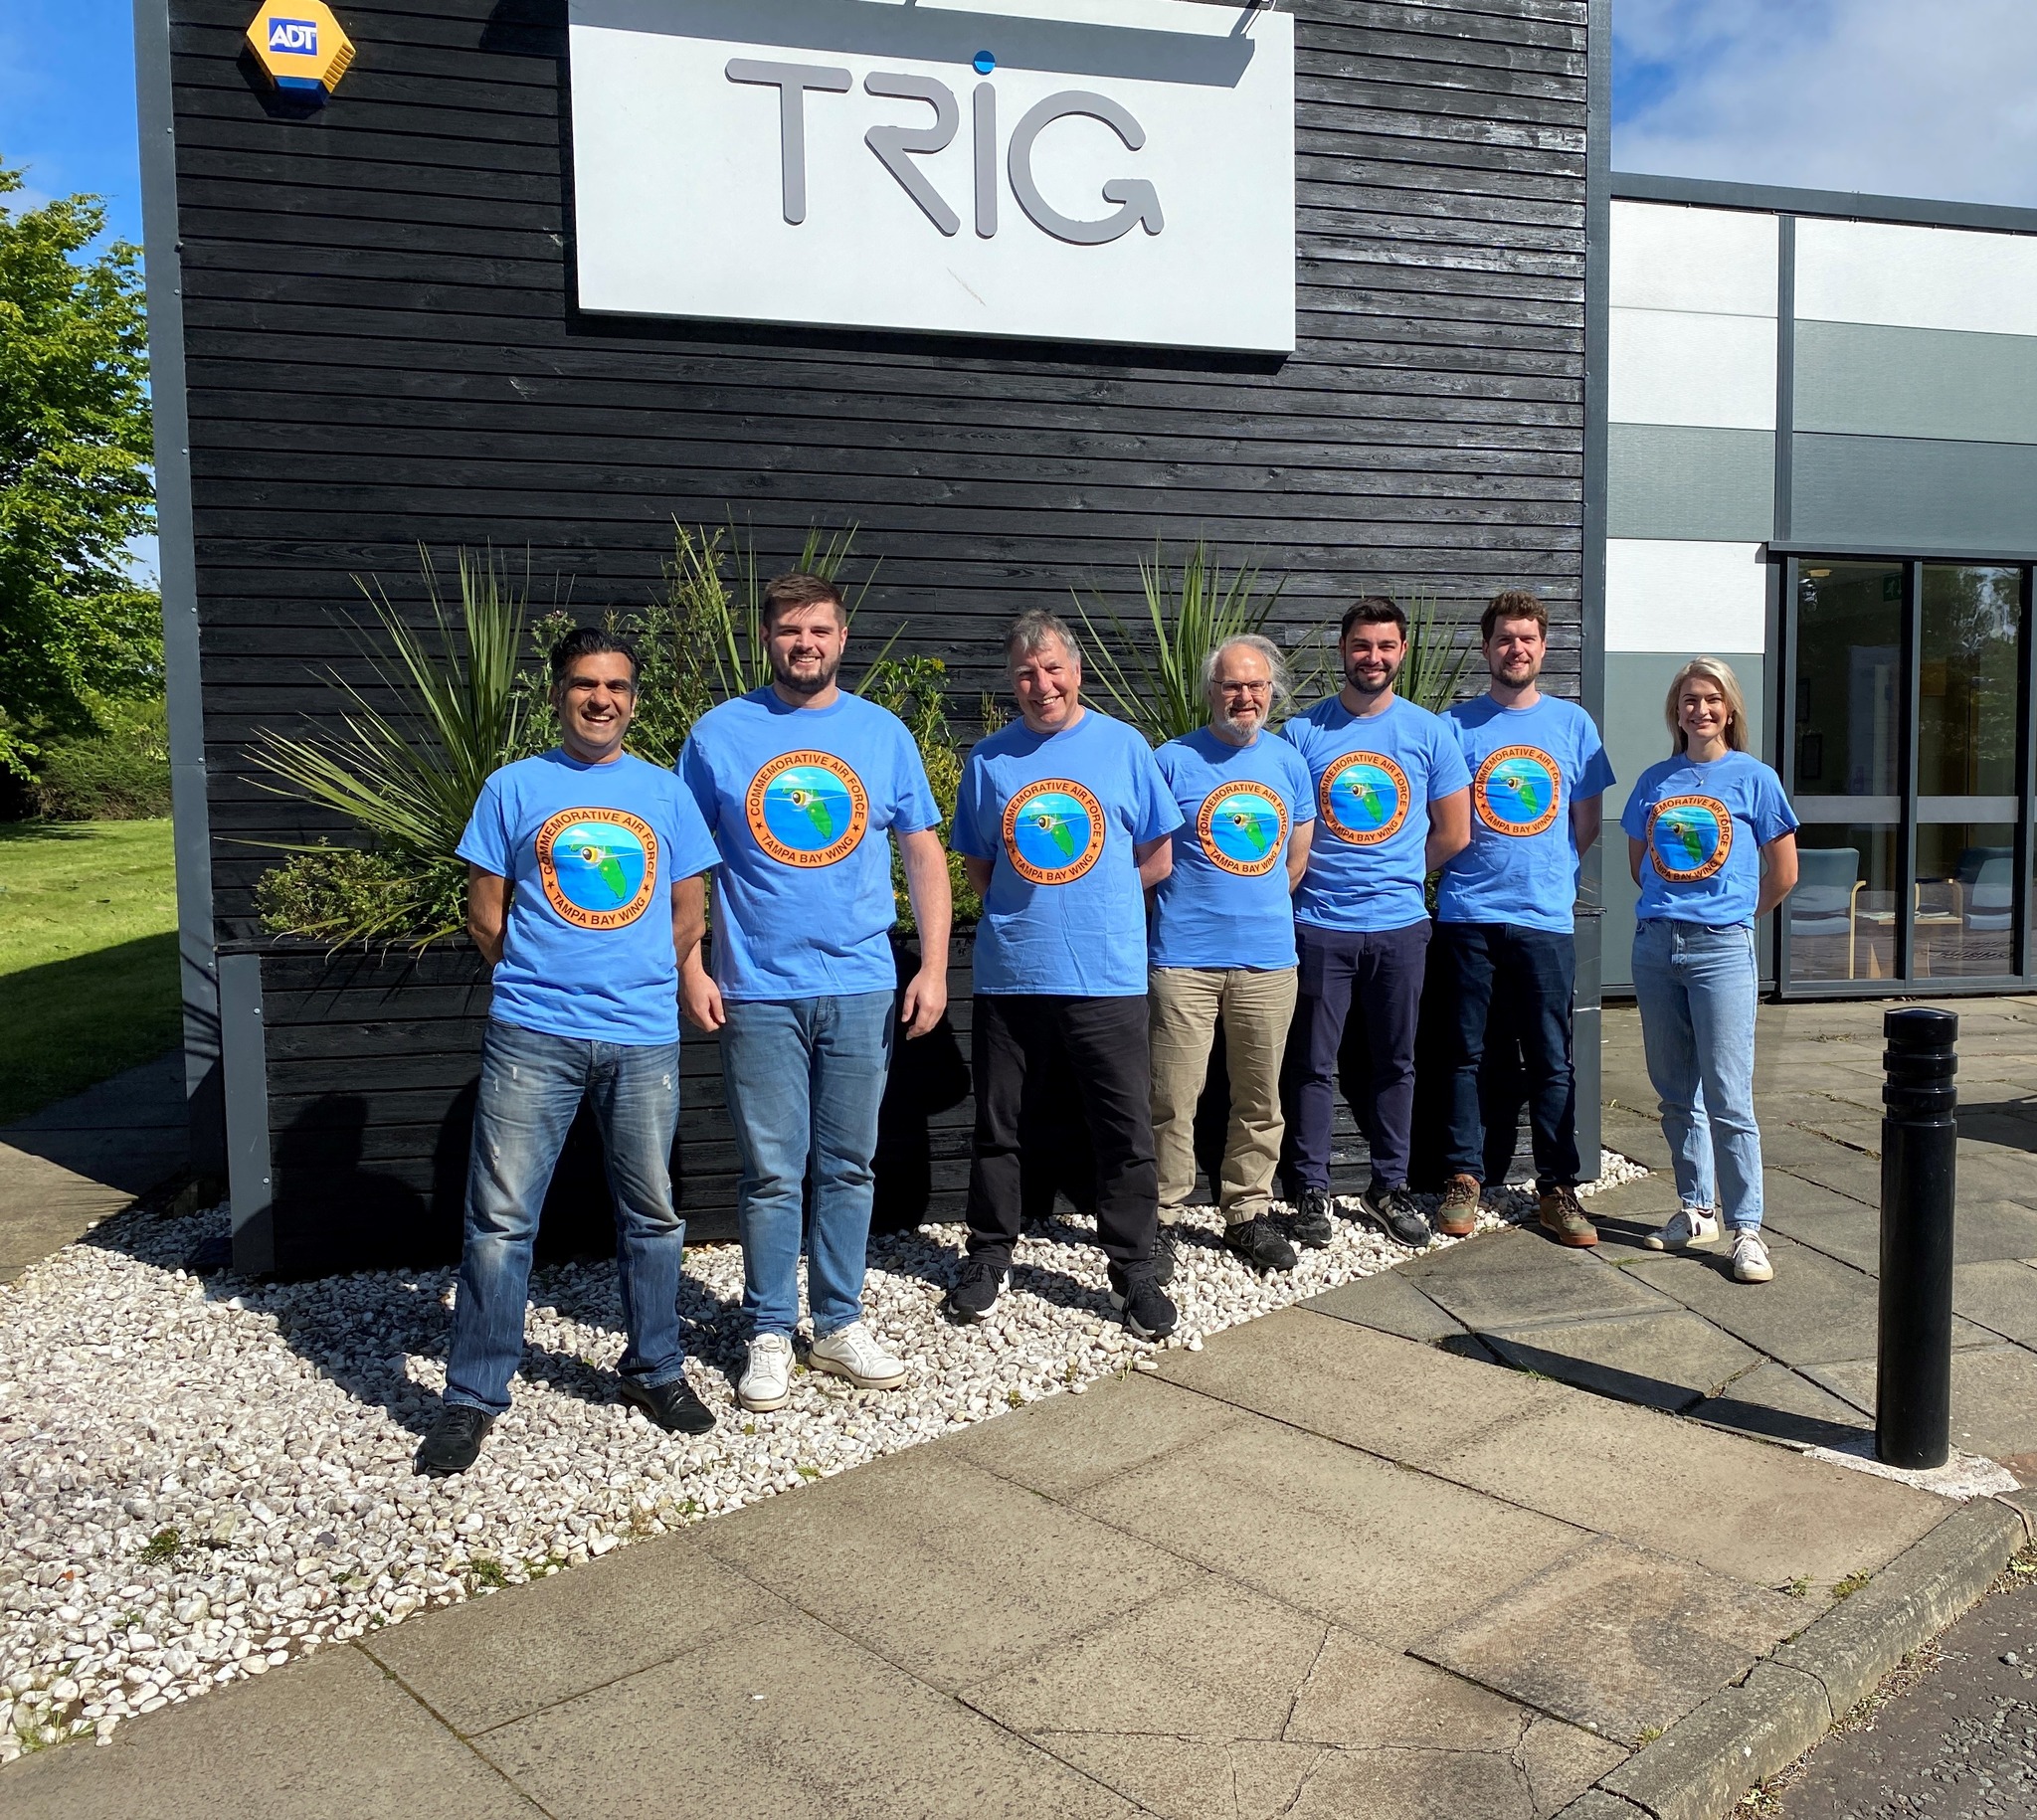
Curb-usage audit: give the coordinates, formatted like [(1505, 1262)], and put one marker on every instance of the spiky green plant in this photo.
[(1156, 683), (407, 779), (1437, 658)]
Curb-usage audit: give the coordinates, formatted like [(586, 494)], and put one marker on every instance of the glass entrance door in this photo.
[(1909, 763)]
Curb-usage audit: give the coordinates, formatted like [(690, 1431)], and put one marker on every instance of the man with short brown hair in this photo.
[(1505, 917)]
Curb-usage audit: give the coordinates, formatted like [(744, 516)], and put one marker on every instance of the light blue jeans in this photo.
[(531, 1088), (804, 1079), (1697, 986)]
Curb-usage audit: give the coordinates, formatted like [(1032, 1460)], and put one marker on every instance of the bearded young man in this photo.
[(1505, 919), (801, 784)]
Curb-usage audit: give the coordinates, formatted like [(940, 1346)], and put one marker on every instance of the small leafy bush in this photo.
[(120, 773)]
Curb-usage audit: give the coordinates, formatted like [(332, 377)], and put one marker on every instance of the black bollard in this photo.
[(1919, 1140)]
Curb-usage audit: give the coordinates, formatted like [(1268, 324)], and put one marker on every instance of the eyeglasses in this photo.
[(1245, 688)]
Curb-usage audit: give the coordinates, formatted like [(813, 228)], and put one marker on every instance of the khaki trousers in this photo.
[(1256, 1007)]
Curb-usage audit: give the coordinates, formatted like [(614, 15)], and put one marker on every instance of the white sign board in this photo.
[(1081, 170)]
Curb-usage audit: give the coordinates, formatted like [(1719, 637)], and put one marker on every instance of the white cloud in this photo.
[(1907, 97)]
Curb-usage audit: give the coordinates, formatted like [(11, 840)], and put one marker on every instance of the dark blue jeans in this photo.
[(1379, 976), (1530, 975), (531, 1088)]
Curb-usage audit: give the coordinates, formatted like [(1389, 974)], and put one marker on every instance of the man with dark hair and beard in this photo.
[(800, 783)]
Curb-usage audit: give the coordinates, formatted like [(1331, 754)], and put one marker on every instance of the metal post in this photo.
[(1919, 1140)]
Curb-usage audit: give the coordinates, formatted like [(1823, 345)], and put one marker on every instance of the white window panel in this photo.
[(1719, 261), (1695, 598), (1679, 367), (1917, 277)]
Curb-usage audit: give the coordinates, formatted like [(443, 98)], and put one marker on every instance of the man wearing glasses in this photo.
[(1221, 944)]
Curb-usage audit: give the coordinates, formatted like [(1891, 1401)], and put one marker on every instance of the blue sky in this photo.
[(1827, 93)]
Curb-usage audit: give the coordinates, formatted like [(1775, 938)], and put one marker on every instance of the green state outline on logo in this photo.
[(1082, 861), (1499, 825), (837, 850), (1721, 815), (1216, 857), (548, 873), (1362, 836)]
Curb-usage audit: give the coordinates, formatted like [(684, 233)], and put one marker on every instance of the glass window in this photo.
[(1849, 631), (1842, 914), (1967, 681), (1965, 898)]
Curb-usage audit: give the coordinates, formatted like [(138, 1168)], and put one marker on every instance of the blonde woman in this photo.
[(1712, 843)]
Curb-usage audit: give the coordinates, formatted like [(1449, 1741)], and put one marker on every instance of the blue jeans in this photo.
[(1530, 975), (805, 1079), (531, 1088), (1697, 987)]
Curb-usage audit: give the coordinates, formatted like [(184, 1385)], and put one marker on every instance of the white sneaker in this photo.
[(767, 1380), (1687, 1226), (853, 1353), (1750, 1258)]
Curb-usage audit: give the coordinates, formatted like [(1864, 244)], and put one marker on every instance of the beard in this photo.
[(1243, 726), (1357, 682), (810, 685)]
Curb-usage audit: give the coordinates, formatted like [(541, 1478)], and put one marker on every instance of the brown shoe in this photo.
[(1562, 1215), (1457, 1216)]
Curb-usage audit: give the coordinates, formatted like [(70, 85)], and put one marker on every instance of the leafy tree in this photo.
[(74, 475)]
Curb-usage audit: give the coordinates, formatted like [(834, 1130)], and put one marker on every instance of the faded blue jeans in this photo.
[(531, 1088), (1697, 986), (804, 1079)]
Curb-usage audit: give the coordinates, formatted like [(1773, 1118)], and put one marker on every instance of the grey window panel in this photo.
[(1931, 495), (1862, 379), (1849, 811), (1672, 482)]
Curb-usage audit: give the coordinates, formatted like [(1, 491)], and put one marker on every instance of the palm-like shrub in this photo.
[(1436, 659), (407, 778)]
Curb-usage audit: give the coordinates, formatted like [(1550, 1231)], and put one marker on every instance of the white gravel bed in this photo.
[(202, 1478)]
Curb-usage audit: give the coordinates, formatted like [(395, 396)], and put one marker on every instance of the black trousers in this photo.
[(1026, 1044)]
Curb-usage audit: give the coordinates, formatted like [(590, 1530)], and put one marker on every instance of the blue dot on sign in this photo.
[(985, 63)]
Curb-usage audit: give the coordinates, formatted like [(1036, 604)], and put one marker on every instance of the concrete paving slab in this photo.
[(1733, 1505), (1988, 1230), (1504, 1280), (1184, 1778), (1616, 1639), (495, 1659), (2000, 1295), (1820, 1160), (1419, 1785), (790, 1719), (1368, 1389), (1995, 1398), (1062, 1445), (333, 1738), (1330, 1530), (1664, 1360), (1988, 1173), (1774, 1403), (1390, 1303), (941, 1568)]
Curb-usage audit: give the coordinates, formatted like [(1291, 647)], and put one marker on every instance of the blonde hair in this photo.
[(1712, 670)]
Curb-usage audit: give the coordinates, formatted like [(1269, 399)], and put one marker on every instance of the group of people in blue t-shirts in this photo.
[(1268, 881)]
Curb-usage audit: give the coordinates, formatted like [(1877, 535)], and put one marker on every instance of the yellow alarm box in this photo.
[(300, 45)]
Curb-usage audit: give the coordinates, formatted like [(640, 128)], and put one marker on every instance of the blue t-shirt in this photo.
[(1527, 765), (1703, 827), (1226, 903), (800, 802), (1058, 814), (1374, 778), (591, 852)]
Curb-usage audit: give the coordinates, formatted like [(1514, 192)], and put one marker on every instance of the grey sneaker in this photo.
[(1312, 1225), (1685, 1227), (1396, 1214), (1750, 1258)]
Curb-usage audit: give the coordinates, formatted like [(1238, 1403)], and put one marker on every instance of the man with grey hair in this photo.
[(1221, 942), (1062, 824)]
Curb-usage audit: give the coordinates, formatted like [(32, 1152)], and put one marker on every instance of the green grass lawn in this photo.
[(88, 955)]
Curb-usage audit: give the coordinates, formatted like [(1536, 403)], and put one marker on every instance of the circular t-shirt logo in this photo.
[(1053, 831), (1516, 792), (1242, 829), (1689, 838), (807, 809), (1363, 797), (597, 867)]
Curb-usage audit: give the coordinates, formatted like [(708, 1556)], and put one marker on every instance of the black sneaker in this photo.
[(1259, 1245), (453, 1442), (978, 1285), (1395, 1211), (1164, 1258), (1142, 1302), (674, 1406), (1312, 1225)]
